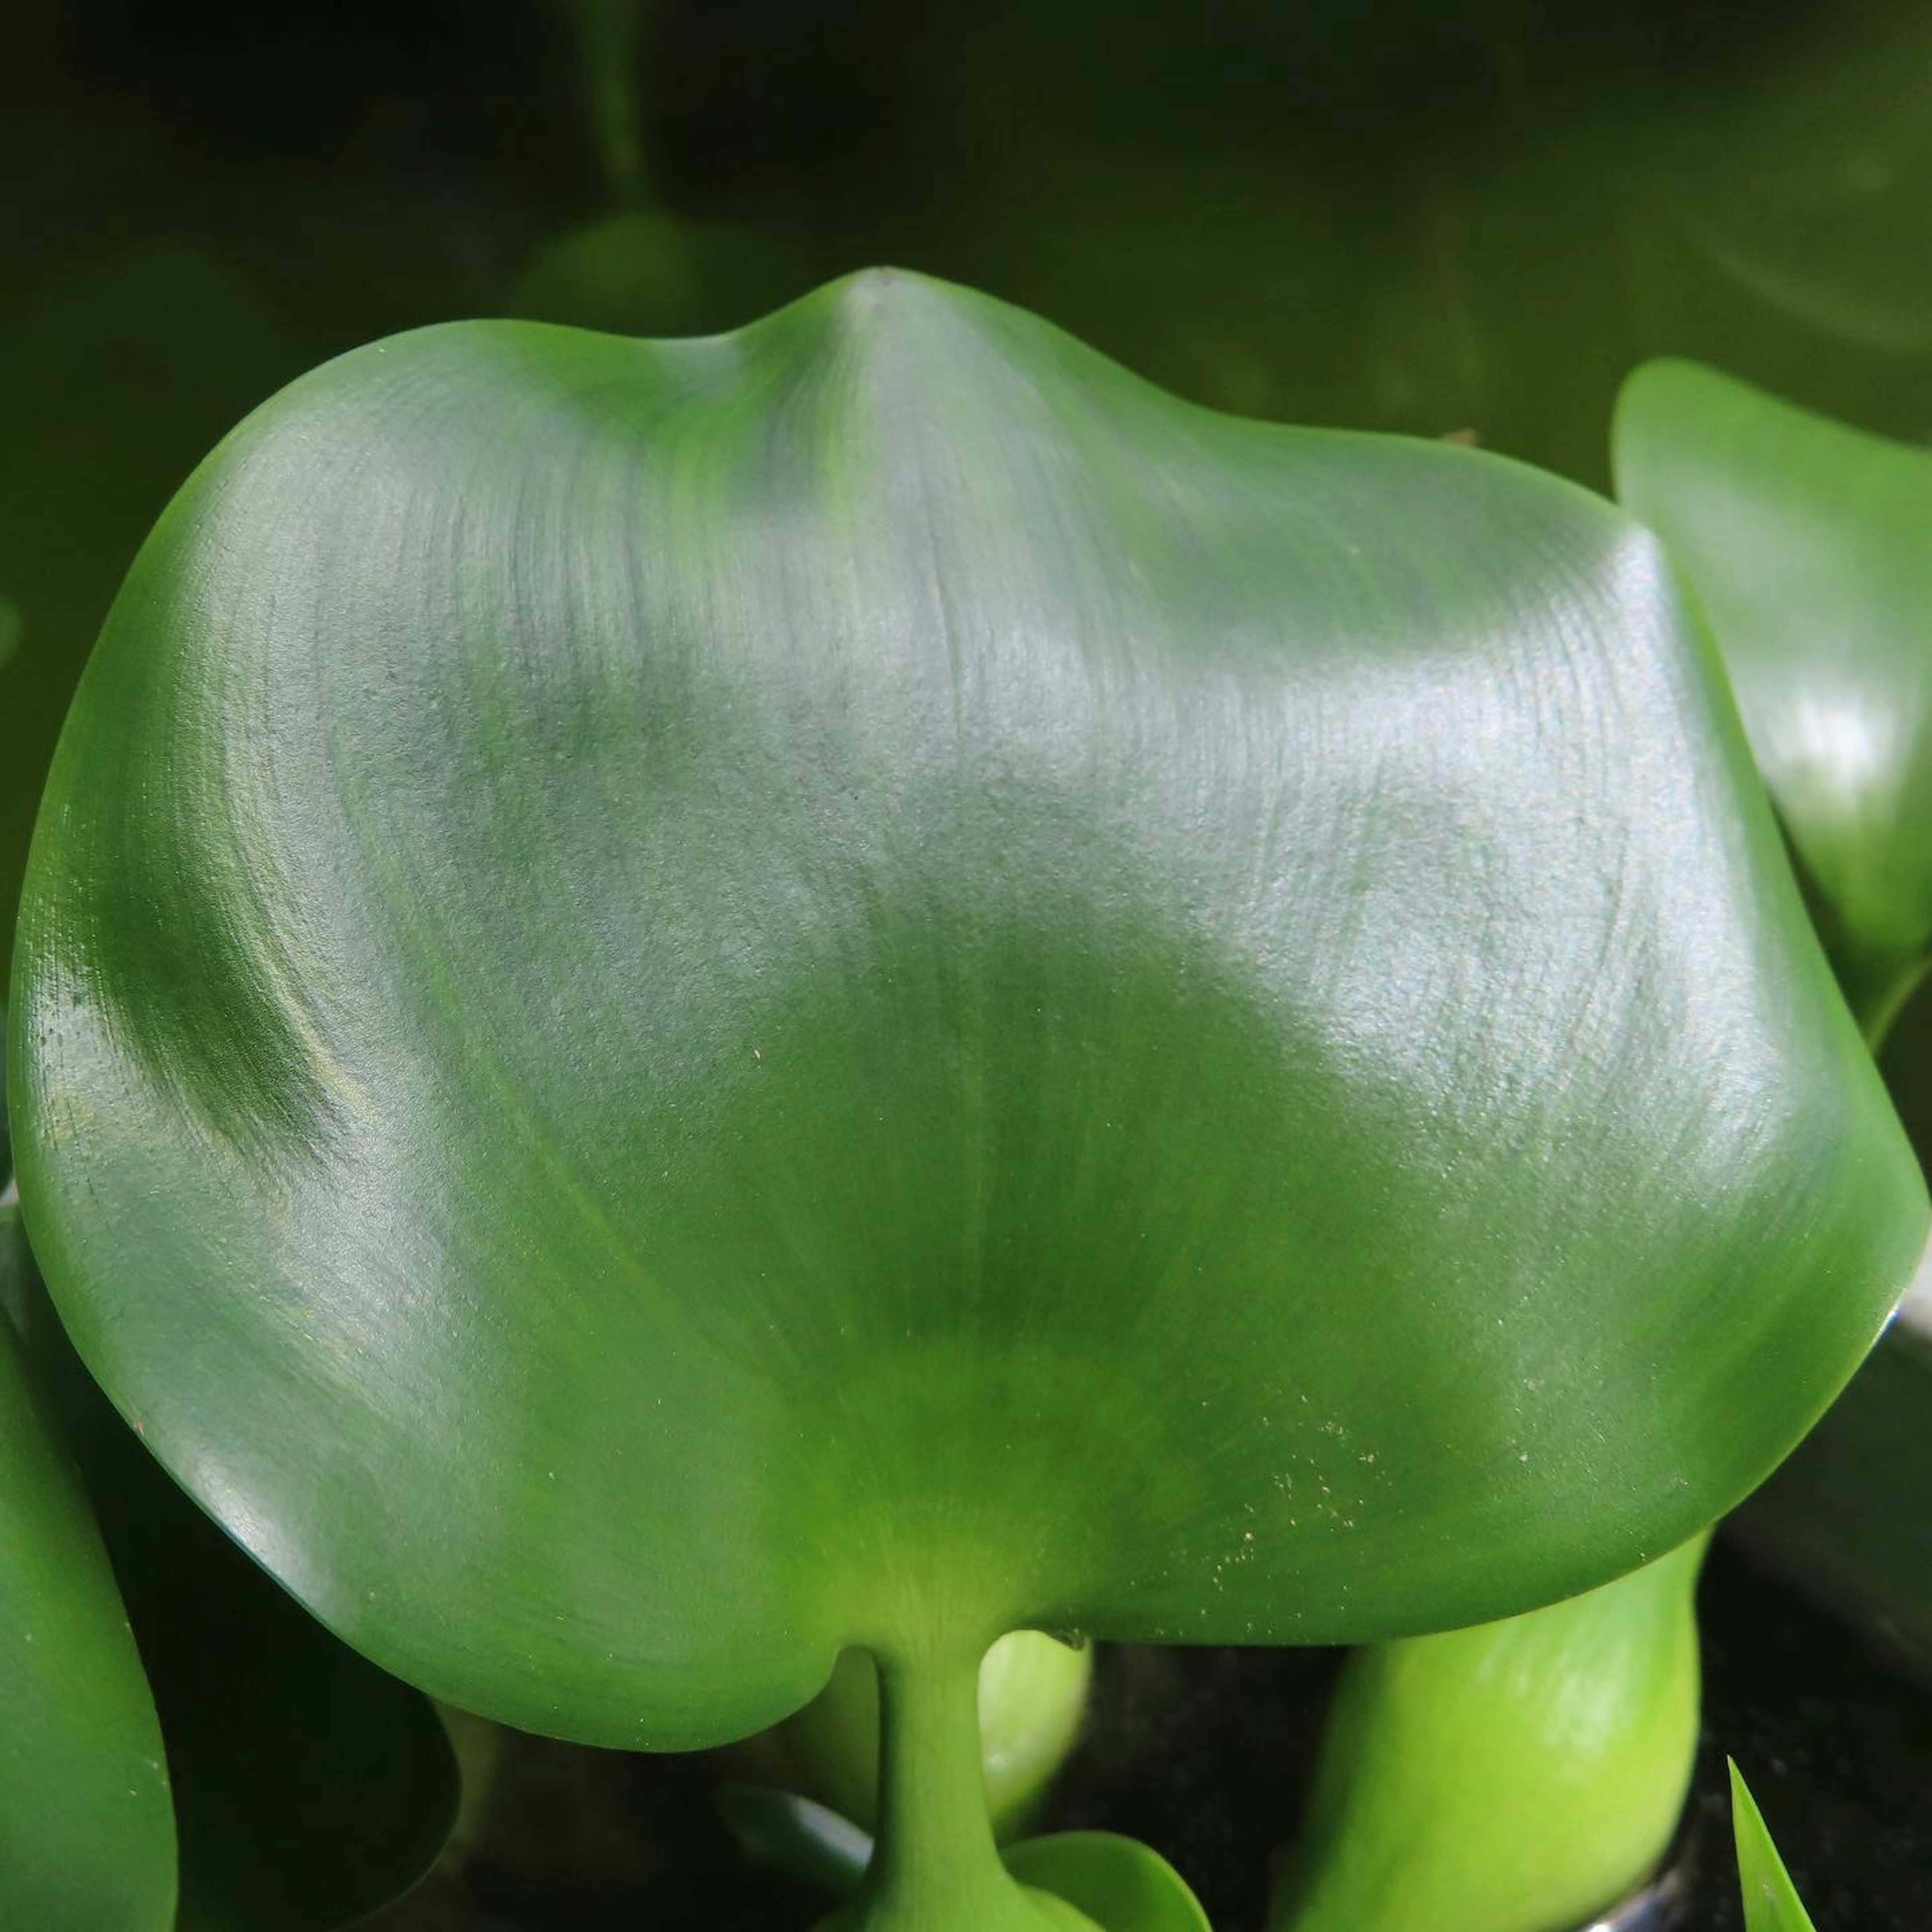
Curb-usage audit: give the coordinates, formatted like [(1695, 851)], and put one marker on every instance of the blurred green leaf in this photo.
[(1810, 546), (644, 272), (1509, 1777), (610, 37), (308, 1788), (1118, 1883), (305, 1787), (1771, 1901), (1806, 177), (798, 1835), (87, 1841)]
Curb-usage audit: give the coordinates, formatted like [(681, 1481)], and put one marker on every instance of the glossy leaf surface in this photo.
[(1772, 1904), (1510, 1777), (862, 982), (1810, 546)]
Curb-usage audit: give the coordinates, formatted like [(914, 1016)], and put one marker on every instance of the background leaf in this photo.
[(308, 1787), (1809, 545), (1117, 1882), (1771, 1901), (87, 1840), (798, 1834), (304, 1788), (1507, 1778)]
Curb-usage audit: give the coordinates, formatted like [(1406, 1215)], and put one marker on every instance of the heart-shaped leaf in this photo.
[(1809, 545), (1772, 1904), (1510, 1777), (687, 1003)]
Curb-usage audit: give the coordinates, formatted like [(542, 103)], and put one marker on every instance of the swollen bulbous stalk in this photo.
[(937, 1868)]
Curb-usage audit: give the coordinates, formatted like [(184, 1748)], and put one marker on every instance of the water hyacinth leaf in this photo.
[(1509, 1777), (1809, 545), (862, 983), (87, 1837), (1772, 1904)]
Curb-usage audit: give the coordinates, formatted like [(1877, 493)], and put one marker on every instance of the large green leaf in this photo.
[(1033, 1696), (1810, 546), (863, 983), (87, 1839), (1512, 1778)]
